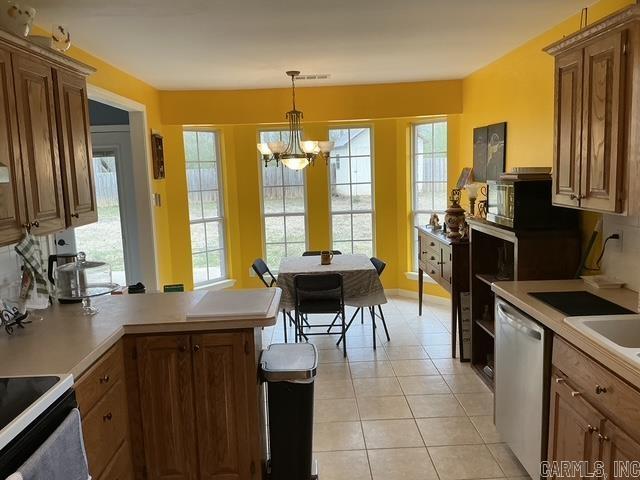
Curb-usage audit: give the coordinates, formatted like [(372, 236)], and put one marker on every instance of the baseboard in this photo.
[(400, 292)]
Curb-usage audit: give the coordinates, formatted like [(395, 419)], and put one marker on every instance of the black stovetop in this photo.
[(17, 394), (580, 303)]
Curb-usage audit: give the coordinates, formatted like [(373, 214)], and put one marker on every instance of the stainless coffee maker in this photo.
[(58, 260)]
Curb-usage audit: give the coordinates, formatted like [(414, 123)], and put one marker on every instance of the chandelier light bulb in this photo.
[(309, 146), (295, 163)]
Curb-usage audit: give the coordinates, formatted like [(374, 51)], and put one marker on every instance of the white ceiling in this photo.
[(228, 44)]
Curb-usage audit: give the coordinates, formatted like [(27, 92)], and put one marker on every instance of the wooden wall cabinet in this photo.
[(197, 405), (593, 414), (597, 87), (45, 141)]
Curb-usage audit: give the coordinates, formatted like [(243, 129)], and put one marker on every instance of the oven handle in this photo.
[(515, 323)]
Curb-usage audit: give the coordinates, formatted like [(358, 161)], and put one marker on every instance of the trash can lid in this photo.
[(289, 362)]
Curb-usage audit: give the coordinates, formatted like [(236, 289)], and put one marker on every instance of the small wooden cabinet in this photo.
[(198, 406), (593, 414), (596, 157), (45, 147)]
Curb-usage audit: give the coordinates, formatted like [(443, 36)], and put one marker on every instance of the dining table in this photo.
[(361, 283)]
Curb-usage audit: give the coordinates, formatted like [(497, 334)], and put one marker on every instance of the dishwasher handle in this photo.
[(518, 324)]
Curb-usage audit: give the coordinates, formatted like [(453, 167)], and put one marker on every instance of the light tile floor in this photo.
[(406, 411)]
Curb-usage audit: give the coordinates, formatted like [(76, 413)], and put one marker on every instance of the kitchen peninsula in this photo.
[(183, 392)]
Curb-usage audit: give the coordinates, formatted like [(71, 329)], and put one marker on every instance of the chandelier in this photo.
[(297, 153)]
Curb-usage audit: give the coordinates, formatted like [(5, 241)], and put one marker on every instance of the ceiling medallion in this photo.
[(297, 153)]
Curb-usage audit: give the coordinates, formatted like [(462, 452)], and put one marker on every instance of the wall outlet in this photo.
[(616, 243)]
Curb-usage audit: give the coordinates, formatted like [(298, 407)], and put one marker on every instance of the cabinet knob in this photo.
[(75, 215), (559, 380), (30, 225), (105, 379), (431, 244), (600, 389), (592, 429), (603, 438), (107, 417), (433, 272), (196, 348), (432, 257), (576, 394)]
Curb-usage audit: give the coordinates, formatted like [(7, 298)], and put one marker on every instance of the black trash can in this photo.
[(289, 370)]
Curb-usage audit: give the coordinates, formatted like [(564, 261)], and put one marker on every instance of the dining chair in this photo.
[(262, 270), (379, 265), (315, 253), (319, 294)]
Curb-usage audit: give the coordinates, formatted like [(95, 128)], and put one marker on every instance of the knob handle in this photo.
[(576, 394), (75, 215), (592, 429), (600, 389), (559, 380), (603, 438), (105, 379), (35, 223), (107, 417), (196, 348)]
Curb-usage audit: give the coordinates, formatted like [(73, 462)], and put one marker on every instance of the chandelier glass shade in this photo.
[(297, 153)]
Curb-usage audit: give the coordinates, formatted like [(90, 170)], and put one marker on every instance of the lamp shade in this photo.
[(277, 147), (264, 149), (326, 146), (295, 163), (472, 189), (309, 146)]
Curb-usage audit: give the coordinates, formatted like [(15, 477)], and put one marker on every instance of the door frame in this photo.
[(141, 156)]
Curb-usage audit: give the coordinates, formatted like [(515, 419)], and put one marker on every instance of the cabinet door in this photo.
[(39, 143), (75, 139), (573, 426), (166, 403), (568, 121), (12, 200), (603, 123), (619, 451), (222, 410)]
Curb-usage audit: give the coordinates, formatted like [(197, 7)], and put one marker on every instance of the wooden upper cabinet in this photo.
[(603, 123), (568, 122), (573, 426), (166, 406), (34, 89), (12, 198), (75, 147), (222, 409)]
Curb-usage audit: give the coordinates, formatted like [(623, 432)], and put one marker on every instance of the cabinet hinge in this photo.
[(247, 347)]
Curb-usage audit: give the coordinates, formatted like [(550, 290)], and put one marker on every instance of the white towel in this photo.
[(15, 476)]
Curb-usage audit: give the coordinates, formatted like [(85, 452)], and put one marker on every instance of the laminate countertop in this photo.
[(517, 293), (62, 339)]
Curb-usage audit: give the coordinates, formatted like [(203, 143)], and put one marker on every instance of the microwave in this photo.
[(526, 205)]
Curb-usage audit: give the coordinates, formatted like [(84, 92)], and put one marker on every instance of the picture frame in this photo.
[(489, 151), (157, 152), (466, 177)]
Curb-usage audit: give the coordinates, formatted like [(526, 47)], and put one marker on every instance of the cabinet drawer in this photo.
[(97, 381), (433, 270), (608, 393), (105, 428), (120, 467)]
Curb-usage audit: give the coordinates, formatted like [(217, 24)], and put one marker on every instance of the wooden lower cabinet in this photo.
[(196, 401), (590, 414), (574, 425), (120, 466)]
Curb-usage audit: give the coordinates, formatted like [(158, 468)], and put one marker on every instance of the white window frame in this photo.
[(284, 215), (414, 158), (220, 218), (373, 183)]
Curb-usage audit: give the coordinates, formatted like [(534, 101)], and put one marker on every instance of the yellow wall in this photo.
[(518, 89)]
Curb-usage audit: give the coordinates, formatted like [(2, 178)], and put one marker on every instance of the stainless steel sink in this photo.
[(620, 333)]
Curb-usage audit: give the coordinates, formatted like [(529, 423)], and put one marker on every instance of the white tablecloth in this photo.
[(361, 283)]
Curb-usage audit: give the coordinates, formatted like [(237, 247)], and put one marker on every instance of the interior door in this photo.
[(568, 121), (12, 200), (224, 447), (39, 144), (573, 426), (603, 123), (166, 403), (76, 149)]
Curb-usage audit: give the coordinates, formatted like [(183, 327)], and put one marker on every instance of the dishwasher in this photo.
[(522, 368)]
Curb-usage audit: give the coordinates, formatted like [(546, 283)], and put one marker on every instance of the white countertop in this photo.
[(67, 341), (517, 293)]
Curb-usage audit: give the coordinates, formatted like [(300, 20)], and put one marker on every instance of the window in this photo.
[(429, 174), (205, 206), (351, 190), (283, 207)]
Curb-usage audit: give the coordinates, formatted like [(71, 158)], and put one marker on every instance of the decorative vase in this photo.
[(17, 19), (454, 215)]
